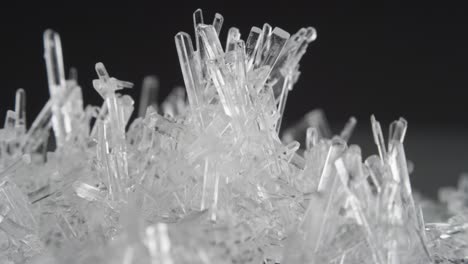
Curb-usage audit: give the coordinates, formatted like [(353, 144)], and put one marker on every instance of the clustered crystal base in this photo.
[(207, 179)]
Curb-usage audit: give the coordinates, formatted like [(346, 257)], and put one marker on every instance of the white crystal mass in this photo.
[(204, 177)]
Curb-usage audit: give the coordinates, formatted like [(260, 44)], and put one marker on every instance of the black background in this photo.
[(390, 59)]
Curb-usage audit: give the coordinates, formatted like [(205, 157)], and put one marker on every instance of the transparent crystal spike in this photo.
[(397, 132), (264, 43), (287, 84), (175, 103), (232, 38), (397, 162), (218, 22), (378, 138), (57, 85), (336, 148), (189, 68), (211, 41), (272, 45), (149, 94), (348, 129), (197, 20), (253, 45), (210, 190), (54, 62), (311, 137), (20, 110), (10, 121), (217, 69)]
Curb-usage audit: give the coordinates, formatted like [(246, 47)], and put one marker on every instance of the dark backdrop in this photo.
[(388, 59)]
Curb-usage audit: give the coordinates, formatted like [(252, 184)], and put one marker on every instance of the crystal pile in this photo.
[(204, 177)]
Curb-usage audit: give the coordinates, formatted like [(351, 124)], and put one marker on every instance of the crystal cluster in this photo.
[(204, 177)]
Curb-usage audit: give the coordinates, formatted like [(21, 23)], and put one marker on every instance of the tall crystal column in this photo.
[(57, 85)]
